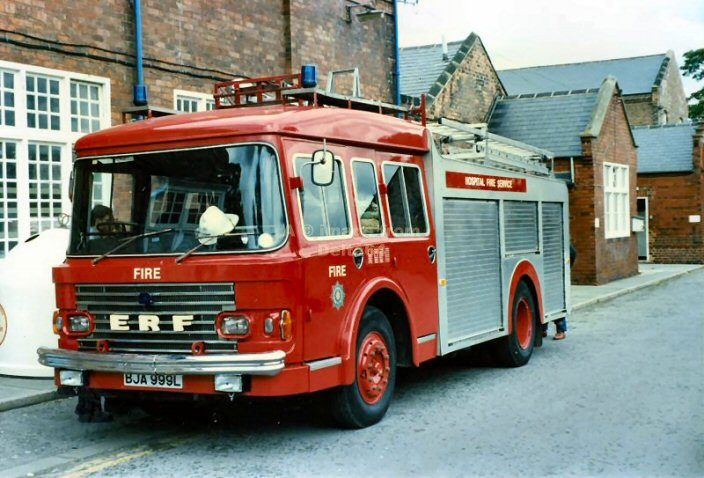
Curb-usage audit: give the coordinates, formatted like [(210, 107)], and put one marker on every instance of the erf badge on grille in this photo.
[(149, 322)]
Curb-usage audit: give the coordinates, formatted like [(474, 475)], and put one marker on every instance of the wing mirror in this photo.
[(323, 166)]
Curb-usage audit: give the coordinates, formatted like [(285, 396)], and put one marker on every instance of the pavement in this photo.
[(649, 275), (16, 392)]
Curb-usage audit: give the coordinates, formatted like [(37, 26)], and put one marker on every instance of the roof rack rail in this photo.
[(254, 91), (289, 90)]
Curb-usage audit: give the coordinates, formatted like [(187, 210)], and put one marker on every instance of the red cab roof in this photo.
[(222, 126)]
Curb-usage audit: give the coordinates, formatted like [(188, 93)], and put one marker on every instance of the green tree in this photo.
[(694, 67)]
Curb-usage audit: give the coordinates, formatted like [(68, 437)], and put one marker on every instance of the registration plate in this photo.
[(153, 380)]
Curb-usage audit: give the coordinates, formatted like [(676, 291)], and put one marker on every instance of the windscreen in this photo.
[(165, 195)]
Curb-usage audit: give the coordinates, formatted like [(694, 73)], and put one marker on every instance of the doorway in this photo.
[(642, 236)]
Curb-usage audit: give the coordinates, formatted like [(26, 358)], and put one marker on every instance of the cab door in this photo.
[(411, 239), (326, 234)]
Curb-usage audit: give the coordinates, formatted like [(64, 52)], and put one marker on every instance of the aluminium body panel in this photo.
[(468, 314), (553, 260), (521, 226), (472, 267)]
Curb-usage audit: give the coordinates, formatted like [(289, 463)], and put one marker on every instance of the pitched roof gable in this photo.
[(553, 121), (423, 69), (635, 75), (422, 65), (666, 148)]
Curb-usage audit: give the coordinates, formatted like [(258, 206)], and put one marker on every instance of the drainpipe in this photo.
[(139, 95), (397, 67)]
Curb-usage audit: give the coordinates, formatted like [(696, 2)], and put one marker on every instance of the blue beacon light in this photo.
[(309, 76)]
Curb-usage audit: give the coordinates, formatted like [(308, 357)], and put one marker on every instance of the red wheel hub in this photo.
[(373, 368), (524, 323)]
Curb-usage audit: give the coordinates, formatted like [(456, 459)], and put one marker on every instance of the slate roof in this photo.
[(555, 122), (422, 65), (635, 75), (666, 148)]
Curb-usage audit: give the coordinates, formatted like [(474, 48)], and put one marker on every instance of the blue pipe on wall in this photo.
[(397, 67), (139, 95)]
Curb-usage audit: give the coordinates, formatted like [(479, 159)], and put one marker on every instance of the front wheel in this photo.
[(365, 401), (515, 349)]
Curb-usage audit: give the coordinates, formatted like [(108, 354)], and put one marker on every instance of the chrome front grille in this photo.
[(203, 301)]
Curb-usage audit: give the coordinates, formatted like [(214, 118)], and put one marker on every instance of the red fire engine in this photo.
[(294, 240)]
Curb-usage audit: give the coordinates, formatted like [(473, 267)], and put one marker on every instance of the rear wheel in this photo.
[(515, 349), (365, 401)]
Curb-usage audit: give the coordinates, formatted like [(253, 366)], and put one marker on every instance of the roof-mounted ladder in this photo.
[(472, 142)]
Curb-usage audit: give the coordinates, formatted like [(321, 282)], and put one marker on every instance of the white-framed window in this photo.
[(617, 210), (7, 98), (9, 231), (190, 101), (85, 107), (43, 102), (42, 113)]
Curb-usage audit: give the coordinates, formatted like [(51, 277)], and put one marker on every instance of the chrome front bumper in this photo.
[(267, 363)]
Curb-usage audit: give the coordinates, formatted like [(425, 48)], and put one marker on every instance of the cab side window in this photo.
[(405, 199), (367, 198), (324, 208)]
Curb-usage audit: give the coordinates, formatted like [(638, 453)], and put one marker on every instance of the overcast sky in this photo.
[(520, 33)]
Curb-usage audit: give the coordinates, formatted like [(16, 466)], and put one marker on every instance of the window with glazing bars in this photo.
[(8, 197), (44, 173)]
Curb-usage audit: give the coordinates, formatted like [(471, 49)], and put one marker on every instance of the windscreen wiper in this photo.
[(205, 243), (191, 251), (130, 240)]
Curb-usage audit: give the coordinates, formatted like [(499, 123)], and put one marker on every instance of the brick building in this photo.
[(671, 192), (651, 85), (591, 138), (458, 79), (68, 68)]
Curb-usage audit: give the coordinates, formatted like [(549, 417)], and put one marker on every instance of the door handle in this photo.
[(432, 254)]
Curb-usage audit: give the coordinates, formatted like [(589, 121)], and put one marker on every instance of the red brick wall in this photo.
[(582, 213), (189, 44), (320, 35), (600, 260), (672, 198), (615, 258)]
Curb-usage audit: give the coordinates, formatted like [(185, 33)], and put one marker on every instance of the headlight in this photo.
[(78, 323), (233, 326)]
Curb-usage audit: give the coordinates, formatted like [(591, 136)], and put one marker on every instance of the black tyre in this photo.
[(516, 348), (365, 401)]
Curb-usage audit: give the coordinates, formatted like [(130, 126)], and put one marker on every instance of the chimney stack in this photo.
[(445, 56)]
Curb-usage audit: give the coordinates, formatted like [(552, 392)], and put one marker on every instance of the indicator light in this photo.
[(286, 324)]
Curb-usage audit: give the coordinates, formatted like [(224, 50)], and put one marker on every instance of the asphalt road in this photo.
[(622, 396)]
